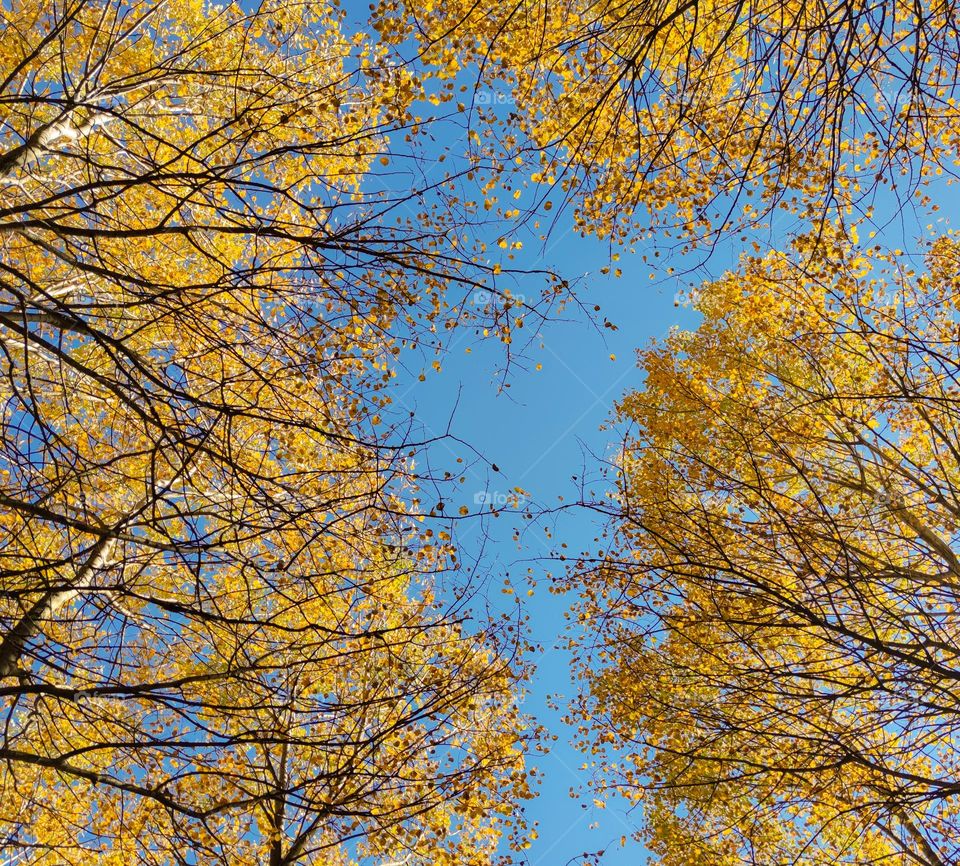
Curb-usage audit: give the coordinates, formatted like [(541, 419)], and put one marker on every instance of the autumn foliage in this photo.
[(234, 630), (676, 123), (778, 618), (224, 630)]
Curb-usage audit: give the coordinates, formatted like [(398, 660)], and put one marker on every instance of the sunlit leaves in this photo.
[(691, 120), (779, 613), (224, 631)]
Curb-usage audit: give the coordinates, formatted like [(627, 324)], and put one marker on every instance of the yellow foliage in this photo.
[(779, 614), (220, 639)]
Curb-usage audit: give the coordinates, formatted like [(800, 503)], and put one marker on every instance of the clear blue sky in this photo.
[(539, 432)]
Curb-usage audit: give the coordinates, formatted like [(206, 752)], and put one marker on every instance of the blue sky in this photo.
[(539, 432)]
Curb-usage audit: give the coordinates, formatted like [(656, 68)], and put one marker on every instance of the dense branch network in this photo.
[(223, 631)]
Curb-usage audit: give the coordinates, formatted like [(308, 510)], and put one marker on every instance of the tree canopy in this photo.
[(778, 616), (225, 631), (690, 120), (233, 627)]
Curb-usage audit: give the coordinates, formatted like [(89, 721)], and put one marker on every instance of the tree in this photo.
[(776, 624), (694, 119), (223, 631)]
